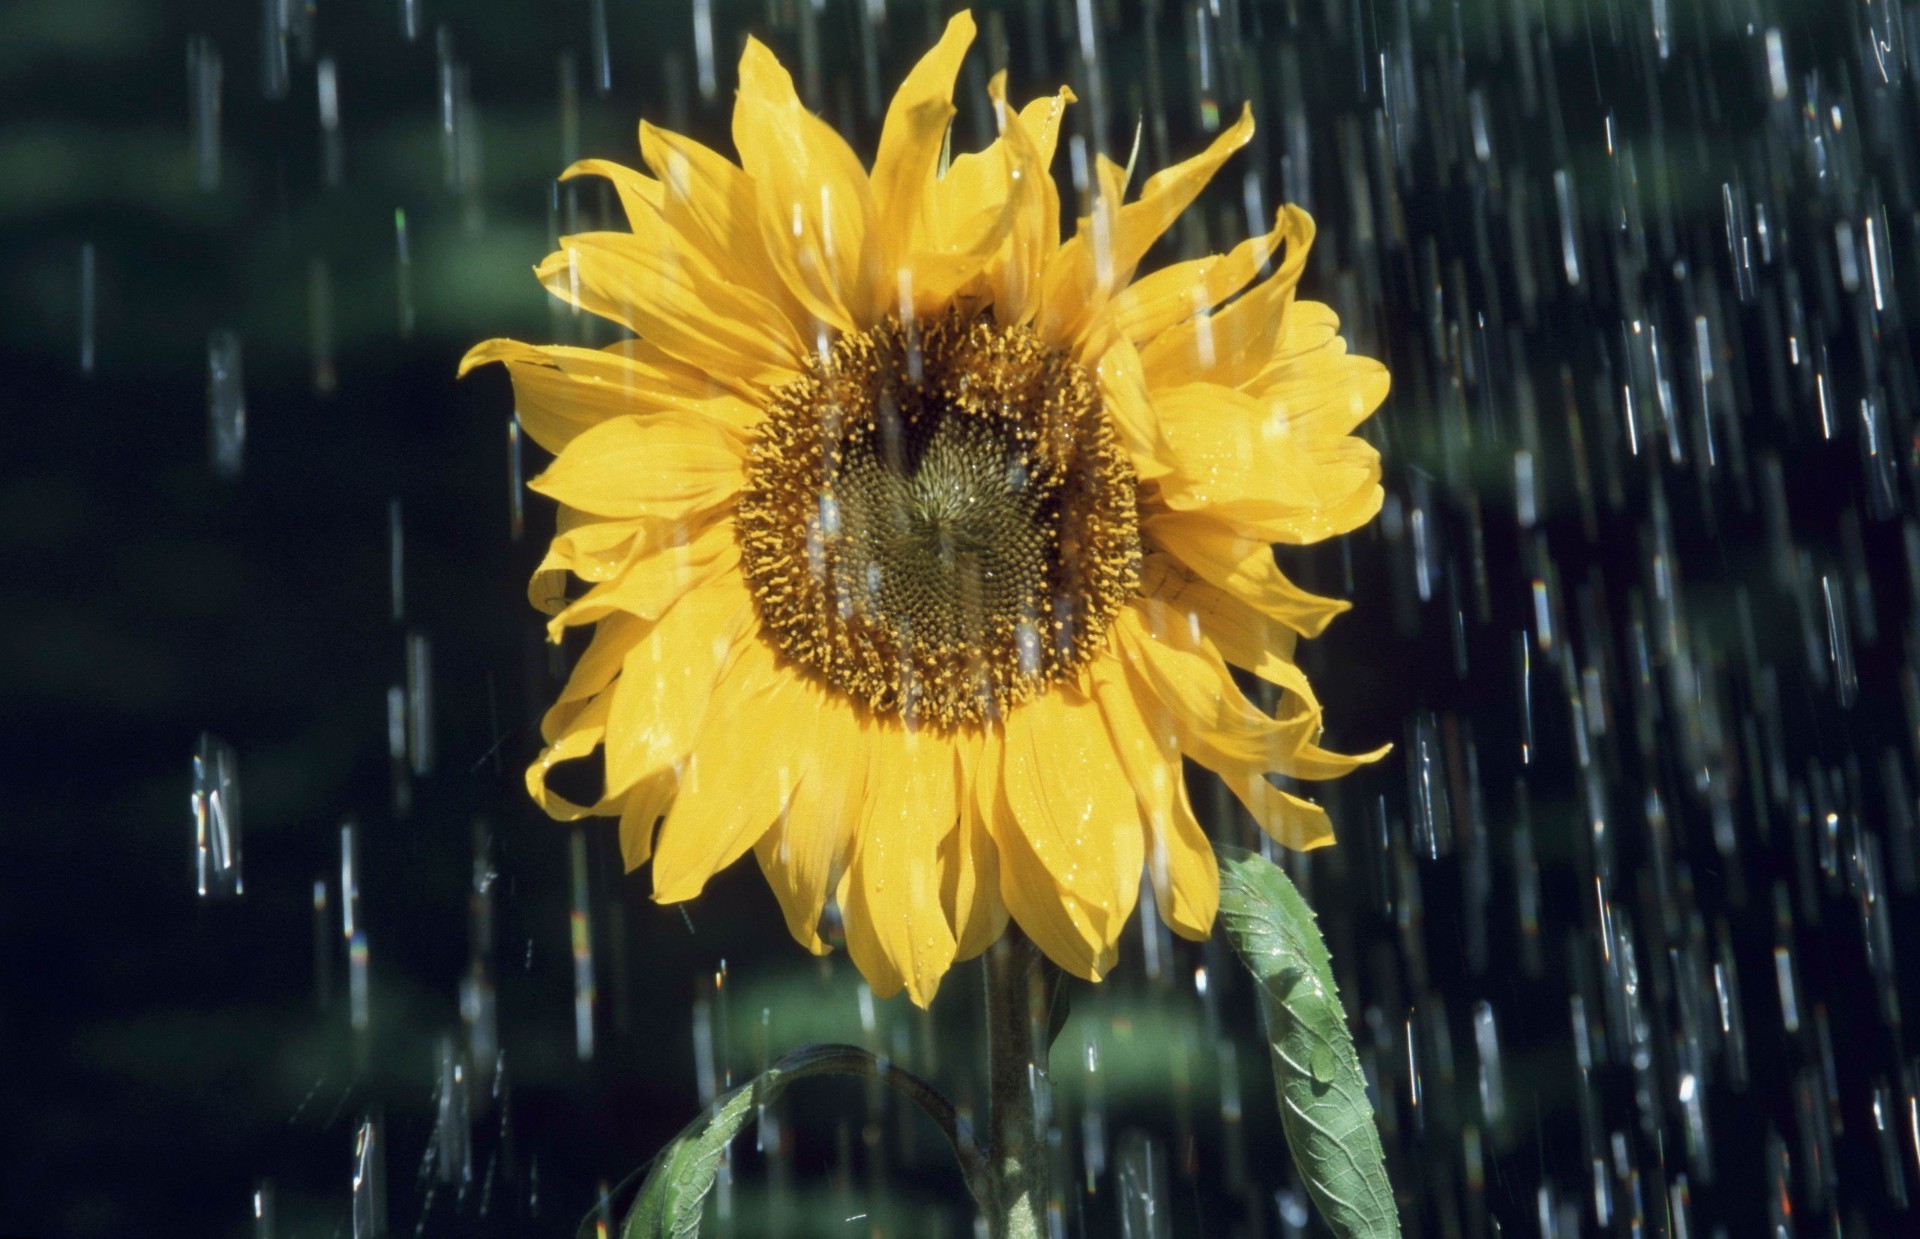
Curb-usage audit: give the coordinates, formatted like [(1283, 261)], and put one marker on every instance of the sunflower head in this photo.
[(918, 540)]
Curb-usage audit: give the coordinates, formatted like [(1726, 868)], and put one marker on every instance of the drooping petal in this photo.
[(741, 773), (999, 210), (969, 864), (579, 736), (656, 579), (1323, 391), (1123, 390), (1290, 820), (596, 667), (1226, 448), (1244, 636), (1215, 723), (1241, 566), (1071, 800), (863, 945), (645, 803), (1074, 935), (666, 464), (1180, 860), (894, 885), (816, 205), (807, 850)]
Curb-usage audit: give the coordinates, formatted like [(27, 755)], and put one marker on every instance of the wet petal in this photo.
[(1156, 303), (816, 206), (969, 863), (910, 141), (650, 284), (559, 391), (1073, 935), (894, 886), (666, 464), (741, 774), (805, 853), (1241, 566), (1244, 636), (1071, 799), (666, 684), (712, 203), (1233, 345), (1179, 858), (655, 580)]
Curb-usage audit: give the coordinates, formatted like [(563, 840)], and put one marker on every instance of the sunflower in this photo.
[(918, 542)]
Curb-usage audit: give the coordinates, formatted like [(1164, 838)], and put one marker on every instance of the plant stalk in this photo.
[(1016, 1057)]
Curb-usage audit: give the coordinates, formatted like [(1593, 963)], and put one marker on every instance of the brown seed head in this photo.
[(937, 519)]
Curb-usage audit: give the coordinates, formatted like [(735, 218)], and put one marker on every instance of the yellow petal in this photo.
[(559, 391), (1123, 391), (597, 665), (1291, 821), (1071, 801), (969, 865), (667, 464), (1180, 860), (1225, 448), (1244, 636), (1173, 294), (1242, 460), (1031, 226), (1171, 191), (1102, 255), (805, 853), (666, 382), (1215, 723), (647, 282), (863, 943), (1324, 392), (714, 204), (911, 137), (667, 681), (816, 206), (640, 196), (1241, 566), (598, 548), (1074, 935), (894, 889), (1310, 326), (741, 773), (580, 736), (640, 814), (1001, 203), (656, 580), (1233, 345)]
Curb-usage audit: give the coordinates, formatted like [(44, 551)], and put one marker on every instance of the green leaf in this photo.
[(674, 1192), (1323, 1094)]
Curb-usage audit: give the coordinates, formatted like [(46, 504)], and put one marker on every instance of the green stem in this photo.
[(1016, 1052)]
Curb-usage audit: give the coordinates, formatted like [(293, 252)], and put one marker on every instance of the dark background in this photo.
[(1657, 727)]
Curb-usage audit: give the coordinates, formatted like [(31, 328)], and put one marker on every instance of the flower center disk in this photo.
[(937, 519)]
